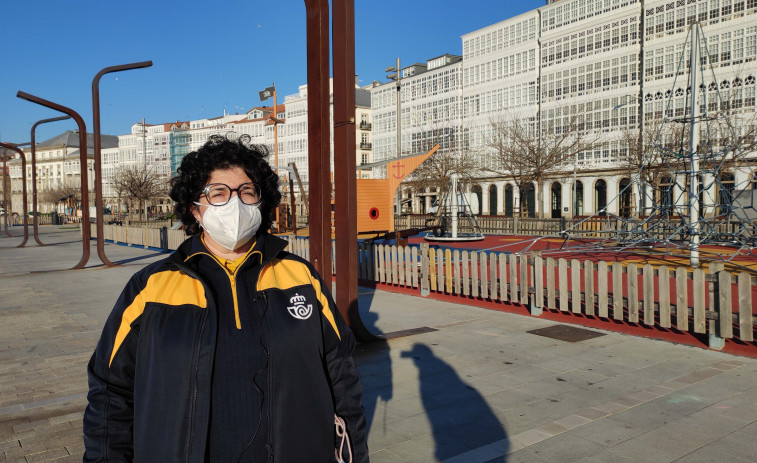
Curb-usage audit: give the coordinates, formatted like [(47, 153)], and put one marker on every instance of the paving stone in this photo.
[(609, 431), (384, 456), (46, 455), (507, 399), (659, 445), (710, 454), (486, 385), (563, 448), (427, 449)]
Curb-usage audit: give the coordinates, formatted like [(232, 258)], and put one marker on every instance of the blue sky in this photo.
[(207, 56)]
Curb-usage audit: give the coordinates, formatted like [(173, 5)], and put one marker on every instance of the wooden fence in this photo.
[(148, 237), (717, 303), (590, 227)]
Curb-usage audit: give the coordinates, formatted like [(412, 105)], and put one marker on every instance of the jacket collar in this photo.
[(268, 245)]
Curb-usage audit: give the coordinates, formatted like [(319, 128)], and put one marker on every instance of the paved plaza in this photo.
[(452, 384)]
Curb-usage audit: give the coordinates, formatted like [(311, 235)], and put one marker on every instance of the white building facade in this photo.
[(58, 166), (611, 62), (430, 102)]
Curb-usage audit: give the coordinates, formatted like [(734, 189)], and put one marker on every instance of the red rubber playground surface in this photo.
[(595, 250), (601, 250)]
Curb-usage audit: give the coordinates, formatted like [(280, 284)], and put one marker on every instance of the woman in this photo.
[(231, 349)]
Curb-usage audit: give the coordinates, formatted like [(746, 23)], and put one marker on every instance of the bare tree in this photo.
[(645, 148), (139, 184), (61, 192), (528, 151), (649, 156), (735, 132), (453, 156)]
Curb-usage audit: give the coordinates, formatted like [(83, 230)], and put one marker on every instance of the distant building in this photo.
[(161, 147), (295, 143), (431, 100), (58, 169), (612, 62)]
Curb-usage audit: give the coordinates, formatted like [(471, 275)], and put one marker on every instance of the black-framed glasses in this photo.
[(219, 194)]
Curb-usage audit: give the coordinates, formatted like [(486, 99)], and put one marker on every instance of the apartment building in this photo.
[(294, 146), (430, 103), (604, 68), (58, 165)]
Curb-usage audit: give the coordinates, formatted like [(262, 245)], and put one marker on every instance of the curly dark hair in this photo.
[(221, 153)]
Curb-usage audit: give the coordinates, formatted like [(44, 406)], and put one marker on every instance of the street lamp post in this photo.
[(85, 226), (35, 220), (397, 77), (264, 95), (98, 151), (24, 199), (633, 99), (6, 195)]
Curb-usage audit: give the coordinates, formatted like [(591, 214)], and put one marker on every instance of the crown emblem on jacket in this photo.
[(299, 309)]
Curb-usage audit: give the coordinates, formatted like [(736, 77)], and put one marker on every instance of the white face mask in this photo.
[(232, 224)]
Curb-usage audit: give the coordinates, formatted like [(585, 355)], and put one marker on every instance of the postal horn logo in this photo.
[(298, 309)]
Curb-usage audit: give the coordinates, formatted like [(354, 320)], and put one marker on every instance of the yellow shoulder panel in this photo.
[(171, 288), (285, 274)]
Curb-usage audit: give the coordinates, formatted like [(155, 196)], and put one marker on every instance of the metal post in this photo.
[(398, 203), (575, 186), (345, 184), (293, 206), (454, 209), (144, 159), (693, 161), (319, 160), (98, 151), (275, 120), (85, 226), (6, 194), (24, 199), (35, 220)]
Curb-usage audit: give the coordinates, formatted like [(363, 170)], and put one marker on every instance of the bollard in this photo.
[(164, 239), (425, 290), (715, 340)]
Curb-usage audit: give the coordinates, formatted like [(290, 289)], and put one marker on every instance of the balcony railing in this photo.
[(365, 126), (365, 146)]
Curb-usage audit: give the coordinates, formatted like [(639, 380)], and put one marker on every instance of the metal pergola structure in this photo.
[(318, 52), (344, 152)]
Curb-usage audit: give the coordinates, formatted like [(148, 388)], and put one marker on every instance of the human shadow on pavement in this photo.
[(374, 364), (460, 418)]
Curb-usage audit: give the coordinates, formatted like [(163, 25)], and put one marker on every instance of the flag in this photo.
[(267, 93)]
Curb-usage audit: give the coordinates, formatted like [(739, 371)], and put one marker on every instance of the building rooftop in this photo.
[(71, 138)]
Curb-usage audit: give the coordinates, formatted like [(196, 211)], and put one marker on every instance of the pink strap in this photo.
[(341, 432)]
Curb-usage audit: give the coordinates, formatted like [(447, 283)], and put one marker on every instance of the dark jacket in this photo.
[(150, 375)]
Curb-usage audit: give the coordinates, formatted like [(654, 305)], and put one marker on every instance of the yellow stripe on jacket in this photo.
[(170, 288), (285, 274)]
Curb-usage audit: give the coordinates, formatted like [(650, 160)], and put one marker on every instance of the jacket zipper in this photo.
[(269, 444), (233, 280), (196, 366), (194, 386)]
